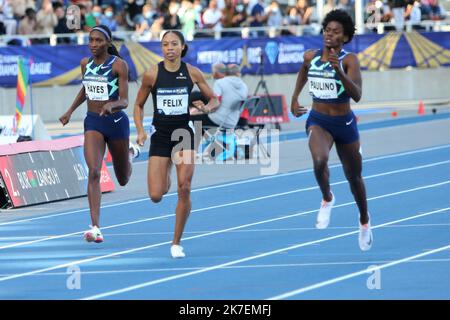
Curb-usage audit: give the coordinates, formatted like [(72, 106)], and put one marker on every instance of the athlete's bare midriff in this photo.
[(96, 106), (332, 109)]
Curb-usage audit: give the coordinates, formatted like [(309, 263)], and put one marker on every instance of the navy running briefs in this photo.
[(114, 126), (343, 129)]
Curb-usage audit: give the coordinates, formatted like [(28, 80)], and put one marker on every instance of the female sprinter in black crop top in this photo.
[(170, 82)]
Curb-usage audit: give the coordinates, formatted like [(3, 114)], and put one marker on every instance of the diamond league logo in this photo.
[(272, 51)]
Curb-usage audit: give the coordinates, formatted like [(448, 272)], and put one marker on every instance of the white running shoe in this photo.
[(93, 235), (134, 150), (365, 236), (323, 217), (177, 251)]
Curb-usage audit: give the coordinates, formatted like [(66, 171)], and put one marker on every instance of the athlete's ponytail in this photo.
[(112, 50)]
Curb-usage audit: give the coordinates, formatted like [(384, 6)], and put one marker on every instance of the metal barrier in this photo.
[(245, 32)]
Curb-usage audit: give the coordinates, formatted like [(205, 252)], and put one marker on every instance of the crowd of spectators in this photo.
[(148, 17), (400, 11)]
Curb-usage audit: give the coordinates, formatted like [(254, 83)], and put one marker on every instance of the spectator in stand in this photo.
[(19, 7), (97, 14), (84, 27), (61, 26), (149, 14), (187, 18), (157, 26), (376, 11), (292, 16), (292, 20), (46, 20), (398, 11), (28, 24), (108, 19), (228, 13), (274, 14), (162, 5), (305, 11), (436, 13), (90, 19), (171, 19), (145, 29), (241, 14), (257, 17), (230, 18), (221, 4), (212, 17), (133, 9), (117, 5), (249, 4), (77, 2), (346, 6), (7, 18), (413, 14), (425, 9), (198, 8), (329, 6)]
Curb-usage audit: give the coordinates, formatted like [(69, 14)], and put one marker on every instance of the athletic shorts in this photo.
[(343, 129), (166, 138), (113, 127)]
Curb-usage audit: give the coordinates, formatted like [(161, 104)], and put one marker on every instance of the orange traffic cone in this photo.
[(421, 110)]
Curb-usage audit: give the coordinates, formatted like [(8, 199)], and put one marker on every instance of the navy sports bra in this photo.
[(99, 82), (324, 84)]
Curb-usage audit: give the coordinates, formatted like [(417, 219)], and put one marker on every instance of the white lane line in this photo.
[(225, 185), (355, 274), (139, 234), (219, 266), (78, 262), (249, 266), (19, 244)]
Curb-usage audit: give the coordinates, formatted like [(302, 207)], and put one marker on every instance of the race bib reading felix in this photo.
[(172, 101), (96, 89), (323, 88)]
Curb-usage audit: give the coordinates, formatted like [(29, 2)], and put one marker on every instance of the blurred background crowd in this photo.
[(146, 18)]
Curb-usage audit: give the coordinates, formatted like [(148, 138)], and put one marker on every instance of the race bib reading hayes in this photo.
[(96, 88)]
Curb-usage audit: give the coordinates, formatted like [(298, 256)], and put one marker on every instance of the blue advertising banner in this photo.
[(59, 65), (51, 65)]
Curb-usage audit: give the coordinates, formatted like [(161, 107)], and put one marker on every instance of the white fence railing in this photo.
[(245, 32)]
